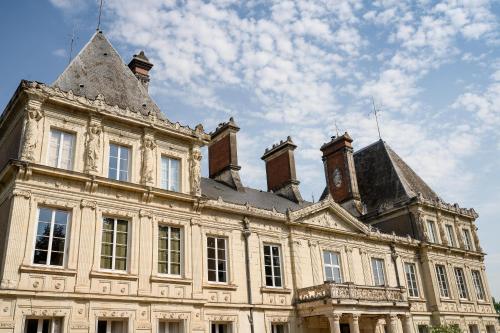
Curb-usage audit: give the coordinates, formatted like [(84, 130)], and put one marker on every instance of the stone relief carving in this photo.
[(195, 173), (93, 147), (147, 160), (33, 116)]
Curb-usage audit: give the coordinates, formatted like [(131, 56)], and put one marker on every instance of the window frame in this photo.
[(412, 282), (169, 176), (274, 324), (40, 322), (431, 228), (273, 276), (166, 321), (376, 272), (181, 250), (332, 266), (229, 326), (467, 239), (113, 256), (450, 234), (463, 291), (49, 248), (120, 146), (226, 258), (478, 285), (443, 283), (61, 132), (109, 323)]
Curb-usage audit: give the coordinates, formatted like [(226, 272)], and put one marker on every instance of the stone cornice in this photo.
[(447, 207)]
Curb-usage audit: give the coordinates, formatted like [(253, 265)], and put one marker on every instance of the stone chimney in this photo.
[(340, 173), (140, 66), (223, 155), (280, 170)]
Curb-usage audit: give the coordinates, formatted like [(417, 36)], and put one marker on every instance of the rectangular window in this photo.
[(478, 285), (43, 325), (114, 244), (170, 327), (490, 329), (450, 235), (331, 261), (272, 265), (217, 259), (411, 279), (169, 250), (461, 284), (444, 291), (467, 239), (423, 329), (220, 328), (473, 328), (61, 148), (278, 328), (431, 229), (378, 271), (119, 162), (170, 174), (111, 326), (50, 245)]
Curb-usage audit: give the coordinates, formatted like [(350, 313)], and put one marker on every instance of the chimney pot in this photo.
[(140, 66)]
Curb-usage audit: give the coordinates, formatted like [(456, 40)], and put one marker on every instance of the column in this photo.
[(334, 320), (407, 324), (354, 323), (391, 323), (85, 247), (196, 257), (145, 251)]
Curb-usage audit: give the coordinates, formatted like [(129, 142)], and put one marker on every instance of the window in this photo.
[(114, 244), (278, 328), (444, 291), (61, 148), (170, 327), (220, 328), (272, 265), (462, 286), (431, 229), (169, 250), (490, 329), (43, 325), (378, 272), (467, 239), (331, 261), (450, 235), (478, 285), (473, 328), (217, 259), (170, 174), (111, 326), (411, 279), (50, 244), (118, 162), (423, 329)]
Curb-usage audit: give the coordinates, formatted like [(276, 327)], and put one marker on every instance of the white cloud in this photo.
[(61, 53)]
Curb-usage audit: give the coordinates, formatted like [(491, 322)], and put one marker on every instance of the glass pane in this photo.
[(59, 231), (106, 262), (175, 233), (162, 256), (42, 243), (162, 268), (221, 254), (211, 253), (335, 259), (124, 152), (277, 271), (277, 282), (56, 258), (43, 229), (45, 214), (40, 257), (58, 244), (268, 270), (113, 150), (108, 223), (112, 173), (176, 245), (61, 217), (267, 250), (107, 237), (107, 250), (175, 257), (221, 243), (336, 275), (121, 264), (121, 238), (174, 174), (211, 264), (326, 258), (211, 275), (175, 269), (31, 326), (329, 274), (101, 326), (267, 260), (275, 251), (222, 276), (55, 136), (163, 232), (211, 242), (269, 281), (122, 226), (123, 175), (121, 251)]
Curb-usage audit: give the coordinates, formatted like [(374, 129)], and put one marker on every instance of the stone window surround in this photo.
[(211, 232), (63, 132), (466, 286), (417, 279), (340, 249), (163, 150), (372, 260), (130, 140), (269, 240), (447, 280)]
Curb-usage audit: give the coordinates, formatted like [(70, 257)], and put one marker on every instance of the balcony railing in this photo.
[(351, 291)]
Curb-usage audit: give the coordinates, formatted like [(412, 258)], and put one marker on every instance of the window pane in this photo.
[(174, 174), (59, 231), (42, 243), (55, 137), (40, 257), (45, 214), (120, 264), (211, 275), (122, 226), (56, 258), (106, 262), (43, 229), (211, 242)]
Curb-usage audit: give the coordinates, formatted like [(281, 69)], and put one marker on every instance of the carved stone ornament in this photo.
[(93, 147), (195, 172), (147, 160), (33, 116), (21, 193), (88, 203)]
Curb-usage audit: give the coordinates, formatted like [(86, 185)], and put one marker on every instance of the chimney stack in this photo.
[(140, 66), (223, 155), (280, 170), (340, 173)]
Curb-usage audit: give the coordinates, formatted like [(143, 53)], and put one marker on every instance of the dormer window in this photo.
[(61, 147)]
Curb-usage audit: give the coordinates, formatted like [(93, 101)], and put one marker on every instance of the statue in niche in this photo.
[(147, 163), (195, 171), (93, 147), (33, 115)]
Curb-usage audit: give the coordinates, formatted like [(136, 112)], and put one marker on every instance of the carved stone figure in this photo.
[(33, 116), (147, 160), (195, 172), (93, 147)]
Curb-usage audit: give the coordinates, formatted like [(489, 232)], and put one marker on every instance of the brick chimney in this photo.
[(223, 155), (280, 170), (140, 66), (340, 173)]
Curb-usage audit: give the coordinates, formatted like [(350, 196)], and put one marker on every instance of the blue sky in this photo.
[(297, 67)]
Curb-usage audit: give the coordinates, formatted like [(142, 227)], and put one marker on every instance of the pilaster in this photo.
[(85, 250), (145, 251), (197, 263)]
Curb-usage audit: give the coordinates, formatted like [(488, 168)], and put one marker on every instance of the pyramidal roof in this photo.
[(99, 70), (384, 178)]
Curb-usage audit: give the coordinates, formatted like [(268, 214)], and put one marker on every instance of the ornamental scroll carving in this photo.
[(195, 172), (147, 160), (93, 147), (33, 116)]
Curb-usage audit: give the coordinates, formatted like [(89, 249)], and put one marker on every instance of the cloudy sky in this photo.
[(305, 68)]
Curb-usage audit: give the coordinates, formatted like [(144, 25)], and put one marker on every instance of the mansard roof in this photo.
[(385, 179), (99, 70)]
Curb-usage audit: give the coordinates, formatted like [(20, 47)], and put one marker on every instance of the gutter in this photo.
[(246, 233)]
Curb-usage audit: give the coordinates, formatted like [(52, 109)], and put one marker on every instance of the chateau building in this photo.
[(106, 225)]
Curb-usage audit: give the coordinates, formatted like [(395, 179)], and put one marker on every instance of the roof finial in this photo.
[(99, 17), (376, 112)]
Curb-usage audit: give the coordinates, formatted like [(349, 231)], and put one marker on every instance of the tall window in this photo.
[(411, 279), (50, 245), (61, 148), (220, 328), (461, 284), (378, 271), (114, 244), (478, 285), (42, 325), (217, 259), (170, 327), (467, 239), (169, 250), (450, 235), (278, 328), (272, 265), (431, 229), (444, 291), (119, 162), (112, 326), (331, 262), (170, 174)]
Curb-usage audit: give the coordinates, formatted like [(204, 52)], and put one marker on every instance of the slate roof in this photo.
[(384, 178), (255, 198), (98, 69)]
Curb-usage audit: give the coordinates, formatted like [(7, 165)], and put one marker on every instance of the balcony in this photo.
[(352, 292)]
